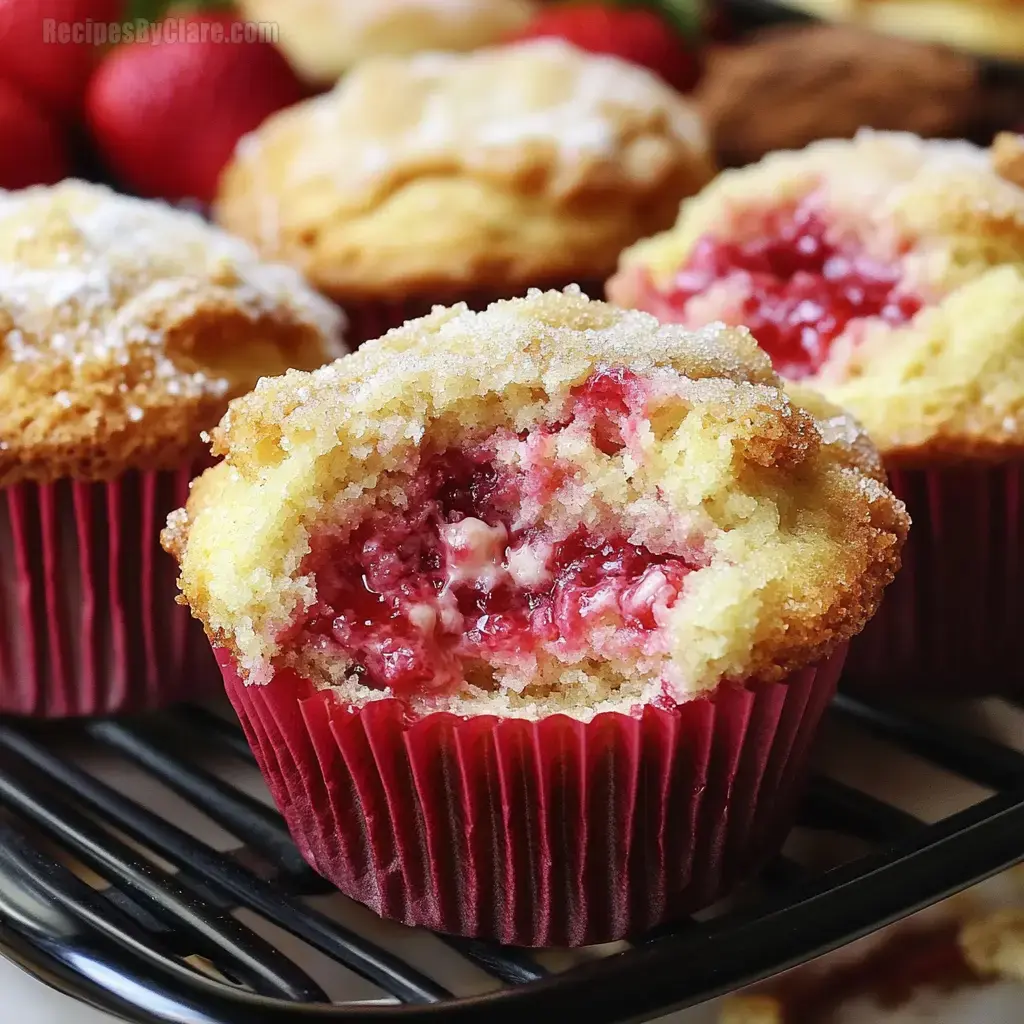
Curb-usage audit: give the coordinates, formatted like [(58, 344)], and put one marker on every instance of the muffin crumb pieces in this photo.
[(994, 945)]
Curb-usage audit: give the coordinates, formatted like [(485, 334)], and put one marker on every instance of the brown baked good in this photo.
[(359, 431), (553, 549), (444, 176), (912, 253), (790, 85), (126, 328), (887, 271)]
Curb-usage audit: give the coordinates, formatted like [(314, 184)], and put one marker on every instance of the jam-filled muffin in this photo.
[(530, 614), (455, 177), (324, 38), (888, 272), (125, 329)]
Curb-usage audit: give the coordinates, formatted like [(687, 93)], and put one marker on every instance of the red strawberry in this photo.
[(48, 48), (166, 115), (636, 34), (32, 149)]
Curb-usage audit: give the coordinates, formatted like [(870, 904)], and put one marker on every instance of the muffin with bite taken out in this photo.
[(530, 614)]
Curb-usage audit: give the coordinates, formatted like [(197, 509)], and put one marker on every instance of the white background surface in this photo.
[(29, 1002)]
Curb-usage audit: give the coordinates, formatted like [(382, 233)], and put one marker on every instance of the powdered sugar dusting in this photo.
[(89, 278), (469, 106)]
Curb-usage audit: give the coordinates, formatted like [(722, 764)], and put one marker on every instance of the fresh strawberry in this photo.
[(49, 49), (637, 34), (32, 147), (166, 115)]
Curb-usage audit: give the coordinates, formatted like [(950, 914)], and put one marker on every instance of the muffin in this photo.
[(888, 272), (127, 326), (530, 614), (470, 177), (838, 80), (992, 27), (324, 38)]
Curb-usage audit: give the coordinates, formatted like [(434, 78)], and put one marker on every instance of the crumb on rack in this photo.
[(994, 945)]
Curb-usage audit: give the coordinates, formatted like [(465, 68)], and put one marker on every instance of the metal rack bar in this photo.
[(257, 825), (973, 757), (835, 806), (178, 847), (214, 935), (212, 727), (57, 926)]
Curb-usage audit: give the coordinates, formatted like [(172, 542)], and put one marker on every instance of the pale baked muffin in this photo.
[(324, 38), (993, 27), (491, 544), (127, 326), (465, 176), (888, 272)]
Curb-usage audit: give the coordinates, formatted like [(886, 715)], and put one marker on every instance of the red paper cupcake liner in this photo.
[(88, 619), (369, 320), (951, 622), (547, 833)]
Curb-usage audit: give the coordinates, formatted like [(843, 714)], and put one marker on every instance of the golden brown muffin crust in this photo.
[(437, 173), (802, 535), (127, 326)]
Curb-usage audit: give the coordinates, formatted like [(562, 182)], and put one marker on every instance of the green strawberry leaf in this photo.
[(144, 10), (688, 16), (685, 16), (154, 10)]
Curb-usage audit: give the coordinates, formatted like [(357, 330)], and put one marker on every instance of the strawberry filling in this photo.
[(796, 286), (422, 598)]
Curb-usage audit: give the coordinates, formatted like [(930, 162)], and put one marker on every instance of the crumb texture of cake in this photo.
[(752, 1009), (552, 505), (993, 945), (324, 38), (502, 168), (126, 326), (886, 270)]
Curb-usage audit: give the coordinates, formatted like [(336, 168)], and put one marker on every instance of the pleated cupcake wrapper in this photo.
[(369, 320), (953, 620), (88, 619), (547, 833)]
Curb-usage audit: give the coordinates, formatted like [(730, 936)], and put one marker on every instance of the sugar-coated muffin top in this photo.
[(324, 38), (127, 326), (551, 505), (432, 174), (886, 270)]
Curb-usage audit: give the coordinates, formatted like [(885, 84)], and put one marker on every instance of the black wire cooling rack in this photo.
[(128, 910)]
